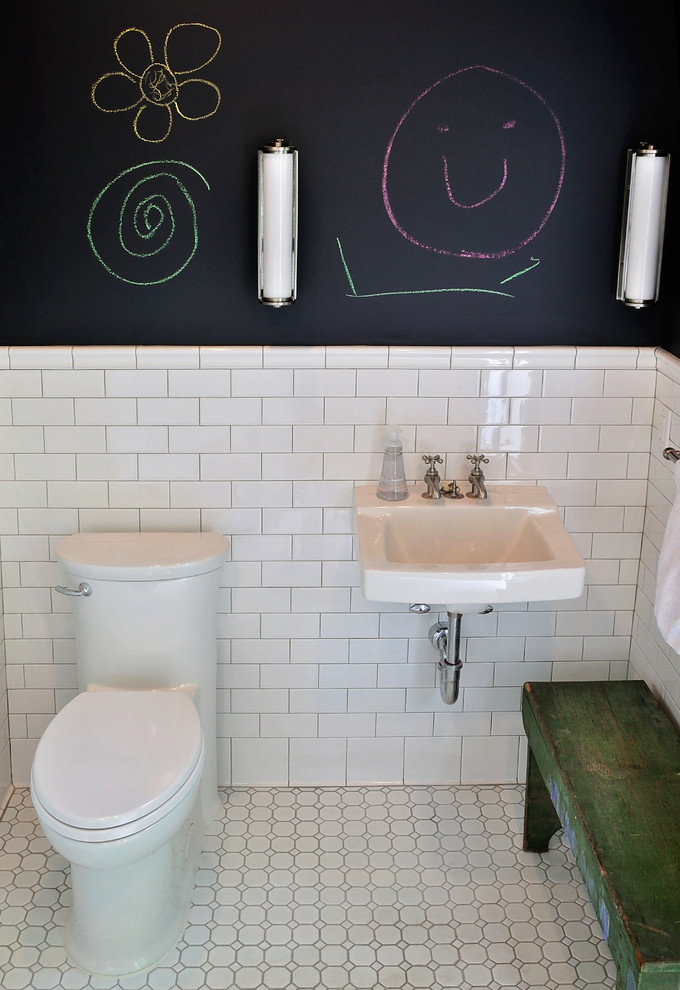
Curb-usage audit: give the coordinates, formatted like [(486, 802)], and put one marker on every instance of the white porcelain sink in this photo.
[(510, 547)]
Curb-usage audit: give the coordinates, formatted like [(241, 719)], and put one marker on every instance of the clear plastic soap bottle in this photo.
[(392, 485)]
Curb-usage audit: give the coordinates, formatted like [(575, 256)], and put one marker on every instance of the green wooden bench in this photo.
[(604, 764)]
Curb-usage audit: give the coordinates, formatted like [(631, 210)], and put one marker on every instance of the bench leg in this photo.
[(621, 982), (540, 818)]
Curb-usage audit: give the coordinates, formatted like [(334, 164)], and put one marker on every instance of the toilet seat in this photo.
[(113, 762)]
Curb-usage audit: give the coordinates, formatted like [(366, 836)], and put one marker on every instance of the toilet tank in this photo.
[(151, 618)]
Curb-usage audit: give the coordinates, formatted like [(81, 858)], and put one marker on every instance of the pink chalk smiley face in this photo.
[(475, 166)]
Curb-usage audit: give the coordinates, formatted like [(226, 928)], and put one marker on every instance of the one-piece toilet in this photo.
[(124, 777)]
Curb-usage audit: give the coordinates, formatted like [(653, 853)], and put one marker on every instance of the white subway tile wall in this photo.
[(651, 657), (318, 686)]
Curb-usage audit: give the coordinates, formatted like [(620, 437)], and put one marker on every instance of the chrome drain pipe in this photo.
[(442, 636), (445, 637)]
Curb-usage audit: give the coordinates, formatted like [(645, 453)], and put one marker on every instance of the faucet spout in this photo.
[(478, 487)]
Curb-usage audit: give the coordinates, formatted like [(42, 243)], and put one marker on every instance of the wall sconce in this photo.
[(277, 223), (644, 214)]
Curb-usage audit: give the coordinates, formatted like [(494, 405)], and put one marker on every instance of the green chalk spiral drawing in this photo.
[(143, 225)]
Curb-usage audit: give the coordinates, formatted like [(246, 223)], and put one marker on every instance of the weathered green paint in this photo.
[(540, 818), (609, 759)]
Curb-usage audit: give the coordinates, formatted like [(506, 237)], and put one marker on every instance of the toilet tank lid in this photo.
[(141, 556)]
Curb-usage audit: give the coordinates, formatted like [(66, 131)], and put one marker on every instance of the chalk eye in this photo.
[(509, 124), (443, 128)]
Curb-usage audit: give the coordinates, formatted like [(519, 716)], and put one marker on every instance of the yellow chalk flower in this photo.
[(161, 88)]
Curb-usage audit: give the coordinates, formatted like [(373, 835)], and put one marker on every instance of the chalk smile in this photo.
[(471, 206)]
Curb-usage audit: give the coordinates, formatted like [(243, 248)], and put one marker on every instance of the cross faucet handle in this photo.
[(477, 459), (432, 459)]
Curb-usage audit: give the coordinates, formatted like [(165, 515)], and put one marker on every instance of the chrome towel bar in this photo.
[(671, 454)]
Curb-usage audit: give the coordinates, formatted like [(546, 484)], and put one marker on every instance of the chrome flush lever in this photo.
[(83, 591)]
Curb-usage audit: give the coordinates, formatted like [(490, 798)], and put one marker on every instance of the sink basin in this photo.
[(510, 547)]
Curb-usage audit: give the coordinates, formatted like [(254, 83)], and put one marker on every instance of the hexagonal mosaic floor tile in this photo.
[(399, 888)]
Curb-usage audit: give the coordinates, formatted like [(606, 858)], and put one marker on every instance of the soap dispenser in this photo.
[(392, 485)]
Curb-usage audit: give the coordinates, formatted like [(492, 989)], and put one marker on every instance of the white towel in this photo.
[(667, 604)]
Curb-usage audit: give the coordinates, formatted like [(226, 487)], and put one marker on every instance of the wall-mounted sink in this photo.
[(510, 547)]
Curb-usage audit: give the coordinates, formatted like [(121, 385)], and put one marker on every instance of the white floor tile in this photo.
[(337, 888)]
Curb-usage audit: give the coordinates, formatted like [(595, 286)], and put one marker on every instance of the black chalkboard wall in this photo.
[(461, 168)]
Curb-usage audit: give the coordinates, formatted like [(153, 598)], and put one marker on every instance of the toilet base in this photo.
[(125, 919)]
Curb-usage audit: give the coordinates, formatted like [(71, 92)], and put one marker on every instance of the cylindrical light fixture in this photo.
[(277, 223), (644, 214)]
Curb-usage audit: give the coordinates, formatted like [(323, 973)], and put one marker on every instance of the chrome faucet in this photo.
[(435, 488), (476, 476), (432, 479)]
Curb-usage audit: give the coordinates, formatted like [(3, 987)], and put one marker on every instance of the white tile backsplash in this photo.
[(651, 657), (265, 445), (608, 357)]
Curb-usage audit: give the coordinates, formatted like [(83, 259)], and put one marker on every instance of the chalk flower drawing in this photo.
[(155, 89)]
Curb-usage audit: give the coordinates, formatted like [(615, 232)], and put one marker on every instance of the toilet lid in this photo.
[(111, 757)]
